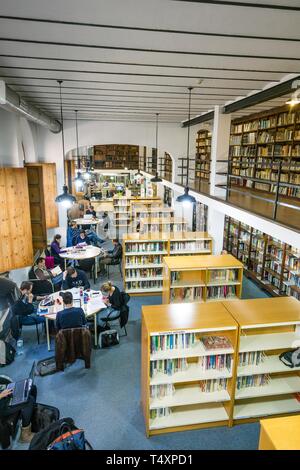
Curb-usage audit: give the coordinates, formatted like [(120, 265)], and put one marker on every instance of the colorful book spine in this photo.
[(172, 341), (258, 380)]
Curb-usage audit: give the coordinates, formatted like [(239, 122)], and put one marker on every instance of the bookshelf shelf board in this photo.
[(221, 299), (223, 283), (196, 351), (204, 414), (266, 408), (178, 284), (142, 266), (145, 253), (189, 396), (192, 374), (267, 342), (149, 289), (276, 386), (189, 252), (148, 278), (271, 365)]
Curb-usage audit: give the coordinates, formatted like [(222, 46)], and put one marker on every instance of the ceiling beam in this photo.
[(199, 119)]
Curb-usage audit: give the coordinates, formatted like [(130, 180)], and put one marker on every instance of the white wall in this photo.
[(10, 139)]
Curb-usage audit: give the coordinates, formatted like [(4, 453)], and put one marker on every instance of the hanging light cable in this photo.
[(156, 178), (186, 198), (78, 180), (66, 199)]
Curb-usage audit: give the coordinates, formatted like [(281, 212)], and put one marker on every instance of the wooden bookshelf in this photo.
[(202, 159), (267, 327), (272, 264), (123, 208), (163, 224), (204, 278), (265, 147), (166, 167), (174, 393), (116, 157), (143, 257)]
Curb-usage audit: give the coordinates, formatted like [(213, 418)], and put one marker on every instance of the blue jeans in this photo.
[(32, 319), (93, 237), (108, 311)]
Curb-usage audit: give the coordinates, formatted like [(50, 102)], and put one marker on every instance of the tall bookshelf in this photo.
[(272, 264), (203, 159), (184, 385), (116, 157), (265, 147), (163, 224), (166, 167), (143, 257), (204, 278), (264, 386), (123, 208)]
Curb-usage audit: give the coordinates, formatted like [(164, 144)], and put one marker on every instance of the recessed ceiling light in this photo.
[(293, 101)]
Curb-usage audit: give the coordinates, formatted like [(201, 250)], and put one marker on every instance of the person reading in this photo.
[(113, 256), (24, 306), (112, 298), (70, 316), (74, 277), (44, 274)]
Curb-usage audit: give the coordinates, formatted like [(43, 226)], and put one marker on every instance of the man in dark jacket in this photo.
[(113, 256), (75, 278), (24, 306), (69, 317)]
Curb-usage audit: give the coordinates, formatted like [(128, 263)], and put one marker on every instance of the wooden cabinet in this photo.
[(42, 192), (15, 227)]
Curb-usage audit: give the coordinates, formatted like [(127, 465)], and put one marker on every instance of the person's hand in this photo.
[(5, 393), (30, 298)]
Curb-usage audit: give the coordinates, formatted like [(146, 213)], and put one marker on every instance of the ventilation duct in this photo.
[(11, 101)]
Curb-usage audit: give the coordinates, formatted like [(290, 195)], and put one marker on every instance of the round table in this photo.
[(82, 222), (94, 305), (85, 252)]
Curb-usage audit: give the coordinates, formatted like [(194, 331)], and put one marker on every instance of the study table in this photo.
[(93, 306), (83, 252)]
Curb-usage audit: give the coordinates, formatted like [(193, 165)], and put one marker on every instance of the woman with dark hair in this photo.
[(56, 249)]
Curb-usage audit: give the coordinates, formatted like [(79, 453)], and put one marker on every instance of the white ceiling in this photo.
[(130, 59)]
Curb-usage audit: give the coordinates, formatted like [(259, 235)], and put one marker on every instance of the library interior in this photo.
[(150, 225)]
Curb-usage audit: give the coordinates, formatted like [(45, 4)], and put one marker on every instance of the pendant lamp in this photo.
[(186, 198), (65, 199), (156, 178), (79, 182)]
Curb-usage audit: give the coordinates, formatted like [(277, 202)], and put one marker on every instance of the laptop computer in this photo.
[(88, 216), (21, 389)]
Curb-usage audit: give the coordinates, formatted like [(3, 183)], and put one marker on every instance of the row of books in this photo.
[(253, 358), (146, 272), (249, 138), (186, 294), (132, 285), (144, 247), (172, 341), (216, 362), (189, 246), (222, 275), (168, 366), (160, 413), (258, 380), (220, 292), (162, 390), (214, 385), (142, 259)]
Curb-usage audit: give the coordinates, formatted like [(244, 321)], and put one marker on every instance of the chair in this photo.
[(72, 344), (122, 316), (115, 262), (88, 265), (40, 287)]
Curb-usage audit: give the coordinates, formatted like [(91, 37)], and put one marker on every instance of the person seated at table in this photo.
[(72, 233), (82, 237), (69, 317), (113, 300), (91, 210), (89, 237), (24, 306), (56, 250), (74, 277), (43, 274), (26, 411), (113, 256)]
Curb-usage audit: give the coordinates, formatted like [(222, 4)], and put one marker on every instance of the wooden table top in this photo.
[(264, 311), (202, 261), (172, 317), (284, 433), (88, 252)]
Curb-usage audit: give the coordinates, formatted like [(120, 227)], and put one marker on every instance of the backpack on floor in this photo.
[(108, 338), (46, 366), (43, 416)]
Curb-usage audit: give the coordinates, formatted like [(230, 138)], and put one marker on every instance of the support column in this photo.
[(215, 227), (219, 151)]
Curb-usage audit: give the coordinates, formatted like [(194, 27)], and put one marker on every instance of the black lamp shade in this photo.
[(186, 197), (66, 199), (156, 179)]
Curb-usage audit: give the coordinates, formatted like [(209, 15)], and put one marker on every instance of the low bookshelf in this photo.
[(163, 224), (264, 385), (204, 278), (186, 376), (143, 257), (123, 208)]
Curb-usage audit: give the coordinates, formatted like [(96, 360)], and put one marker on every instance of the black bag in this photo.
[(43, 416), (108, 338), (291, 358), (42, 439), (46, 366), (70, 439)]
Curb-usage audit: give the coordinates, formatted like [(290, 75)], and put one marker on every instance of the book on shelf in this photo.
[(214, 385), (168, 366), (186, 294), (172, 341), (253, 358), (133, 285), (216, 342), (219, 362), (143, 259), (162, 390), (257, 380), (145, 272), (220, 292)]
